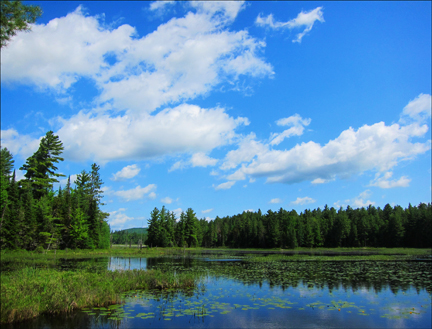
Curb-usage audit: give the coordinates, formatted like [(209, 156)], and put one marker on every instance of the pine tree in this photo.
[(153, 228), (191, 228), (6, 162), (40, 168)]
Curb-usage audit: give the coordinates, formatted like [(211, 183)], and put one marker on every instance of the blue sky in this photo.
[(228, 106)]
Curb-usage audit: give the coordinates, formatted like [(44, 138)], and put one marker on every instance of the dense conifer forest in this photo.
[(34, 216), (328, 227)]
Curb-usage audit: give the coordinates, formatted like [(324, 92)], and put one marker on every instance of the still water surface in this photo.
[(227, 298)]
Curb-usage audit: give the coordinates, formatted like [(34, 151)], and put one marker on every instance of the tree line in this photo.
[(35, 216), (328, 227), (127, 237)]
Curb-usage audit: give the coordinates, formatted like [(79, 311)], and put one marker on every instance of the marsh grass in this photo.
[(29, 292)]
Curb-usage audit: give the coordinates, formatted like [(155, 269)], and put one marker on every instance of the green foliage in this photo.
[(40, 168), (16, 17), (6, 162), (374, 227), (29, 292), (34, 216)]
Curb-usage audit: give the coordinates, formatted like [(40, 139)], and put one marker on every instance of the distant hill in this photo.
[(130, 235), (138, 230)]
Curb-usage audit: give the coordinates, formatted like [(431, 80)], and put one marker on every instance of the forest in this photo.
[(372, 227), (36, 217), (129, 236)]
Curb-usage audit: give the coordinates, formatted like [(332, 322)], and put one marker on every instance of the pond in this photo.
[(234, 292)]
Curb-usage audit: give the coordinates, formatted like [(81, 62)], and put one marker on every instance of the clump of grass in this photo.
[(30, 292)]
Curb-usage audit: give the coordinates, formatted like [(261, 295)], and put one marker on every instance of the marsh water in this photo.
[(234, 292)]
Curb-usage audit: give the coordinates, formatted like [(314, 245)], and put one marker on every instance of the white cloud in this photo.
[(296, 124), (183, 129), (229, 9), (55, 55), (321, 181), (202, 160), (117, 219), (180, 60), (225, 186), (359, 201), (167, 200), (152, 195), (376, 147), (22, 145), (305, 200), (247, 150), (178, 165), (385, 182), (303, 19), (160, 5), (207, 211), (276, 200), (137, 193), (418, 109), (126, 173)]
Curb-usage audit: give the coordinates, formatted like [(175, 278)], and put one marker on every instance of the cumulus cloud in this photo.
[(126, 173), (117, 219), (207, 211), (419, 109), (229, 9), (302, 201), (276, 200), (360, 202), (180, 60), (303, 19), (248, 148), (225, 186), (135, 76), (371, 147), (167, 200), (385, 182), (321, 181), (55, 55), (137, 193), (160, 5), (183, 129), (22, 145), (296, 124), (202, 160)]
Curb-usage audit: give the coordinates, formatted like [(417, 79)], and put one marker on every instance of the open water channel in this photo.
[(236, 293)]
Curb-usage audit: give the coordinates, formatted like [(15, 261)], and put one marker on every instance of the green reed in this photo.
[(29, 292)]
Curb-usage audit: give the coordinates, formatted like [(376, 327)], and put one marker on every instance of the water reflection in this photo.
[(226, 303)]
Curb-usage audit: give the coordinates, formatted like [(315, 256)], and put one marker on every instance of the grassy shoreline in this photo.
[(32, 287), (29, 292)]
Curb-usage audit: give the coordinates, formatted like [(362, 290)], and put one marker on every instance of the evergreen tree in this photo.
[(153, 228), (40, 168), (191, 228), (6, 162), (16, 16)]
